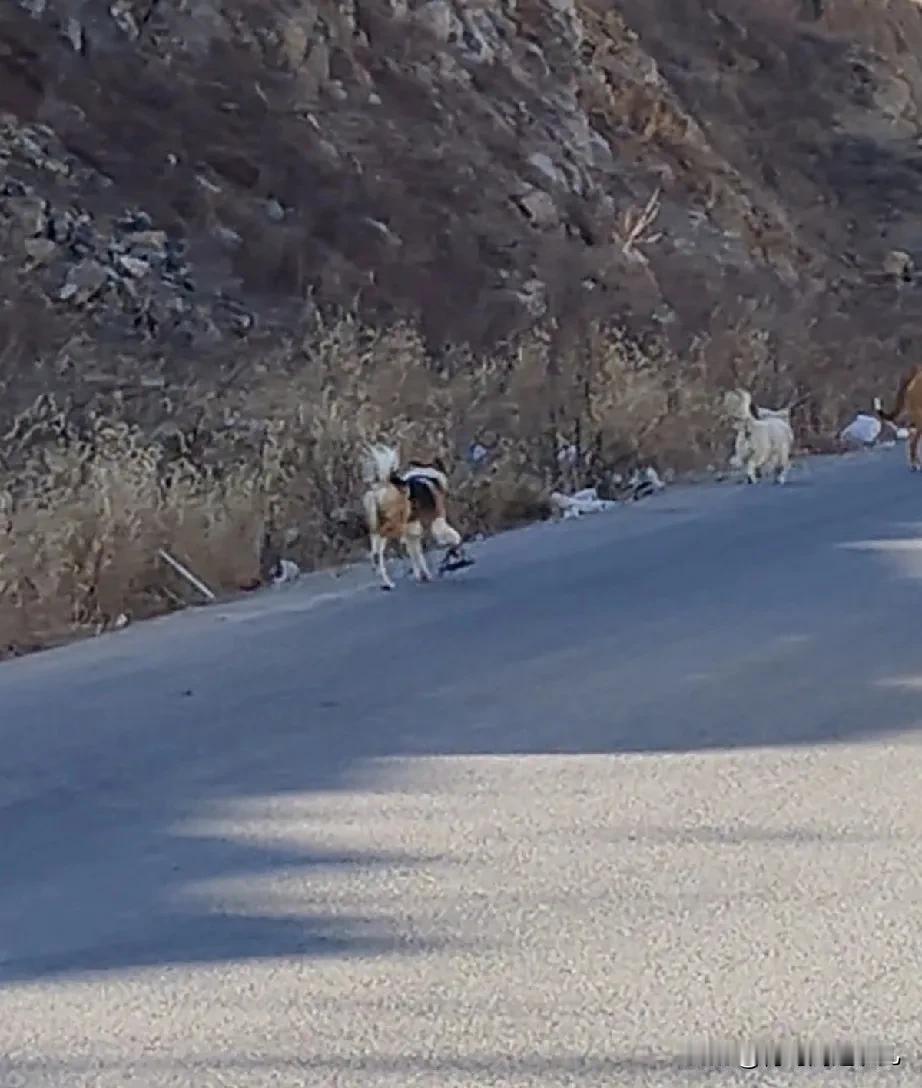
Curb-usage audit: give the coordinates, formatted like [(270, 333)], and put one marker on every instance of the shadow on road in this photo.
[(719, 636)]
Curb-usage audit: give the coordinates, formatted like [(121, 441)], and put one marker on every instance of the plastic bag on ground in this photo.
[(582, 502), (286, 572), (864, 430)]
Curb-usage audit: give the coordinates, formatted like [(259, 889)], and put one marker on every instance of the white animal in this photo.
[(763, 443)]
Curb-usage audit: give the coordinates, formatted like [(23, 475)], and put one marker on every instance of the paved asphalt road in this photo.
[(630, 781)]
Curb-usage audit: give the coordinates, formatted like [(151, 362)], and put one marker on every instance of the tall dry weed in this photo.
[(267, 468)]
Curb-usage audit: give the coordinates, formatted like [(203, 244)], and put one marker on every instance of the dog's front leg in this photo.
[(752, 473)]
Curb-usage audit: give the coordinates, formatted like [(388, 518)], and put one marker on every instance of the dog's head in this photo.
[(737, 404)]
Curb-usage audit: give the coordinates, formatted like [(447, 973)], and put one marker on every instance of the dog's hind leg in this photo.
[(444, 535), (378, 548), (413, 540)]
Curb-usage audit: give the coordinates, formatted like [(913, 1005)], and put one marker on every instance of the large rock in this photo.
[(540, 208), (84, 281), (28, 213)]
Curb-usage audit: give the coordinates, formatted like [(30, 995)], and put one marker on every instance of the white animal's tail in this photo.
[(379, 463)]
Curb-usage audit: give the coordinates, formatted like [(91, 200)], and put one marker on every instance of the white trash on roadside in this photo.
[(287, 572), (567, 456), (582, 502), (864, 430), (477, 454), (645, 482), (641, 483)]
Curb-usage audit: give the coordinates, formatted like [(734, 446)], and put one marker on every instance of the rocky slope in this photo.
[(177, 176)]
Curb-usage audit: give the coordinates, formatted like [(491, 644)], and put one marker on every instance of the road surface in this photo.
[(629, 782)]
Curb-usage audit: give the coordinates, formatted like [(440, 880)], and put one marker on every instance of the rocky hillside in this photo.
[(178, 175), (731, 188)]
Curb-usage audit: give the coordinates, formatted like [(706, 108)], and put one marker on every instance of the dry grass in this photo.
[(228, 477), (250, 458), (268, 470)]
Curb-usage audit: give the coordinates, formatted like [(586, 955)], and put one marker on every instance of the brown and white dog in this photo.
[(404, 507), (908, 406)]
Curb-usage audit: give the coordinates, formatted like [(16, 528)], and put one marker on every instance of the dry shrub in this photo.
[(510, 491), (268, 467), (85, 511)]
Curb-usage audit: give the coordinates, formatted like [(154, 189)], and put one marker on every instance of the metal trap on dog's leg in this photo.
[(455, 559)]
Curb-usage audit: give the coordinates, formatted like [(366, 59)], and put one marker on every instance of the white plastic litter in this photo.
[(477, 453), (287, 572), (864, 430), (648, 476), (582, 502), (644, 482), (641, 482)]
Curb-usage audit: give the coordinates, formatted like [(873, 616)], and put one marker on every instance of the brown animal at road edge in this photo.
[(403, 507), (908, 408)]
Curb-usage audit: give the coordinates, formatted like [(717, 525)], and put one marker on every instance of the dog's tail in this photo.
[(892, 417), (379, 465)]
